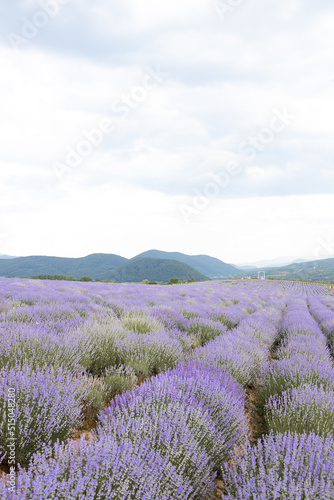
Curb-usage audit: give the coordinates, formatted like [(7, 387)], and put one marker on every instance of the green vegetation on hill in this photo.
[(97, 266), (155, 266), (316, 270), (204, 264), (161, 270), (55, 277)]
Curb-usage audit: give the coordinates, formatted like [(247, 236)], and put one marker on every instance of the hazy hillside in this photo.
[(156, 265), (209, 266), (278, 262), (97, 266), (161, 270), (316, 270), (4, 256), (100, 266)]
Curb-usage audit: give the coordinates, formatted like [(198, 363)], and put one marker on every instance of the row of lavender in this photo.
[(195, 313), (187, 420), (323, 311), (296, 460), (66, 351)]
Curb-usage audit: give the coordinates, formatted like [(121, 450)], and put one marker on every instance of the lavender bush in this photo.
[(48, 406), (280, 375), (33, 345), (138, 321), (104, 469), (310, 346), (235, 354), (182, 434), (243, 350), (205, 330), (119, 379), (149, 353), (204, 399), (103, 331), (282, 466), (325, 317), (305, 409), (114, 345), (298, 320), (165, 438)]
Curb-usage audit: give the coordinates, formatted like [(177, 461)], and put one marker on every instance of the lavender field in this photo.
[(220, 389)]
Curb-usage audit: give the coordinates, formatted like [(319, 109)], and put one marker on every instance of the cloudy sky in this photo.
[(200, 126)]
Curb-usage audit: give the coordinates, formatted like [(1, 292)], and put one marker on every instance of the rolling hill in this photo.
[(208, 266), (153, 265), (97, 266), (159, 266), (315, 270), (100, 266), (160, 270)]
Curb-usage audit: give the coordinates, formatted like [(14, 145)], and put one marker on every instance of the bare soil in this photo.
[(220, 489), (257, 427), (254, 408)]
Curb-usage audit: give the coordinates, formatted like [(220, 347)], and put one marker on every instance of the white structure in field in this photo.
[(261, 275)]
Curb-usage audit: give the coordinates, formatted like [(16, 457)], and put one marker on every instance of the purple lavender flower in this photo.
[(46, 406), (243, 350), (280, 375), (304, 409), (205, 399), (325, 316), (103, 469), (282, 466)]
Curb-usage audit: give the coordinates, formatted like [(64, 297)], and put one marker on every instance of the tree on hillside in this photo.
[(174, 281)]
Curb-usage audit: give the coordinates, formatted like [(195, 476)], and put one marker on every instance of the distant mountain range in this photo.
[(209, 266), (159, 266), (280, 262), (153, 265), (315, 270), (3, 256)]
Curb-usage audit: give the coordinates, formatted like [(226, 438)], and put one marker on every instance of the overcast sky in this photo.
[(198, 126)]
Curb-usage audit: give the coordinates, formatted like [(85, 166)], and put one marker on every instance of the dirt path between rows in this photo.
[(257, 427)]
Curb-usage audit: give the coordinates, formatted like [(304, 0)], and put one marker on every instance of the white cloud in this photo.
[(225, 79), (260, 227)]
